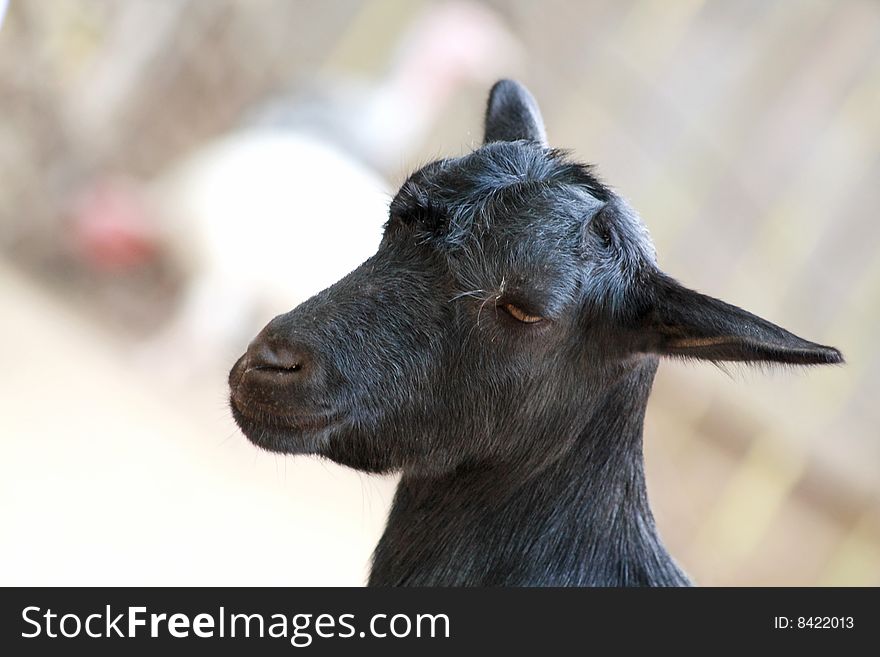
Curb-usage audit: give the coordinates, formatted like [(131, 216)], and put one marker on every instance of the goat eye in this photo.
[(521, 315)]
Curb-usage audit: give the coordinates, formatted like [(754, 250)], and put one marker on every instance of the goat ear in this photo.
[(512, 113), (692, 325)]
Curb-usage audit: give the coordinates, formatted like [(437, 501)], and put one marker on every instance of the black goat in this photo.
[(498, 351)]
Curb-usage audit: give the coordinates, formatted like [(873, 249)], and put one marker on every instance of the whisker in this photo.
[(228, 438), (479, 315), (469, 293)]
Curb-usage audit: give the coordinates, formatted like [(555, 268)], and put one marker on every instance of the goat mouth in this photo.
[(276, 431)]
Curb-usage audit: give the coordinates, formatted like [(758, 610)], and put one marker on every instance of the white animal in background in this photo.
[(274, 212)]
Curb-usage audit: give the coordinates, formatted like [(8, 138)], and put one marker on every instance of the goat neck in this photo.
[(582, 519)]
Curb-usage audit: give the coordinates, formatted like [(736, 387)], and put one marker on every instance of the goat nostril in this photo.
[(278, 368), (269, 355), (291, 367)]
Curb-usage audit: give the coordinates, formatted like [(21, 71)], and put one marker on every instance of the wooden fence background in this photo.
[(746, 133)]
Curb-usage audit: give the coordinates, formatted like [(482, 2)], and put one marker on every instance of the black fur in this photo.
[(519, 444)]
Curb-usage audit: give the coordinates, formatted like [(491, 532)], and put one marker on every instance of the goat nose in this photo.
[(267, 354)]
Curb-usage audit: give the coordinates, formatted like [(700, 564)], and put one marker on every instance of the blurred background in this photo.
[(174, 173)]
